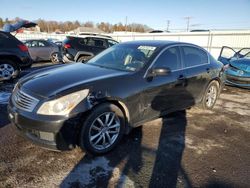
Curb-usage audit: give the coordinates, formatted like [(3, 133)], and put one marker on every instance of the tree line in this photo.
[(54, 26)]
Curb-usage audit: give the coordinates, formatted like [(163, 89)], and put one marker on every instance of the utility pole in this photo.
[(188, 21), (126, 22), (168, 23)]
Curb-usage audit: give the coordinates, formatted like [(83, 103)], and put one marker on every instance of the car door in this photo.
[(198, 70), (45, 50), (226, 54), (164, 93), (33, 49)]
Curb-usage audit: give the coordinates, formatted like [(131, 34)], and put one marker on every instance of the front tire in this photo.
[(211, 94), (8, 70), (102, 129)]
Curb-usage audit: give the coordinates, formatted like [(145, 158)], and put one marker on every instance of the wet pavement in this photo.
[(193, 148)]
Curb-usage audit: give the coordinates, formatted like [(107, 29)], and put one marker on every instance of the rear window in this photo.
[(194, 56)]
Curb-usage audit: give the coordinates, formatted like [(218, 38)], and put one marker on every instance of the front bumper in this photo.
[(55, 133), (238, 81)]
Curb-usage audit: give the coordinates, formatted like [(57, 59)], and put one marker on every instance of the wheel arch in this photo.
[(13, 58), (123, 108)]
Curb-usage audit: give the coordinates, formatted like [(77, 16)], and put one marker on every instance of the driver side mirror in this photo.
[(159, 71)]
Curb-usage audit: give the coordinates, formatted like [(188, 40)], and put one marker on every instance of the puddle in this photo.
[(4, 97)]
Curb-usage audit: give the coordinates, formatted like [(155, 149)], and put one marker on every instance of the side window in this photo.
[(28, 44), (112, 42), (100, 43), (33, 43), (194, 56), (83, 41), (42, 44), (169, 58), (90, 42)]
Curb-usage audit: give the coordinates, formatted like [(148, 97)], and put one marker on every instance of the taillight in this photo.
[(67, 46), (23, 48)]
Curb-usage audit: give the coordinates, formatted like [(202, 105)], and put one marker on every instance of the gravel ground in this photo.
[(193, 148)]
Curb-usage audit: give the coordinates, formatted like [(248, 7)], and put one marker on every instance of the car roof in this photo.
[(34, 39), (156, 43), (91, 36)]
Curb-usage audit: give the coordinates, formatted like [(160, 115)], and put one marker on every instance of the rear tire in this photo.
[(8, 70), (54, 57), (102, 129), (211, 94), (83, 59)]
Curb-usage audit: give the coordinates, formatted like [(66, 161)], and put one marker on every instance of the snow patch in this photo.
[(202, 147), (86, 174)]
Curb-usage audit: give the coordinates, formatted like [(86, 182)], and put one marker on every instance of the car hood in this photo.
[(51, 81), (16, 26), (242, 64)]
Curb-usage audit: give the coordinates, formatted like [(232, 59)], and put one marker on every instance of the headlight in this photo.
[(63, 105)]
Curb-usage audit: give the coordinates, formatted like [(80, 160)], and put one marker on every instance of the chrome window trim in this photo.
[(183, 68)]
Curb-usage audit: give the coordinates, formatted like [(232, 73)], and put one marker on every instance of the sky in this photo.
[(205, 14)]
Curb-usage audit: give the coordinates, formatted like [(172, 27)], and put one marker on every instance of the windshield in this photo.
[(124, 57)]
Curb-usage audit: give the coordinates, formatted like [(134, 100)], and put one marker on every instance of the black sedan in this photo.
[(93, 105)]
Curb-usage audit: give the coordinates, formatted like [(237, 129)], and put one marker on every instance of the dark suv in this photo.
[(82, 48), (14, 55)]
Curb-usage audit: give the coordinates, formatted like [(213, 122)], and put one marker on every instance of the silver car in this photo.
[(42, 50)]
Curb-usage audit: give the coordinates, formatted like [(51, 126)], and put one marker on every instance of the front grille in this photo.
[(24, 101)]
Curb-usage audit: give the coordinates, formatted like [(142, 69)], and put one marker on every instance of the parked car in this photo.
[(83, 47), (237, 65), (55, 41), (14, 55), (93, 105), (42, 50)]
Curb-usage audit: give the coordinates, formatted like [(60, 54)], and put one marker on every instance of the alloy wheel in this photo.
[(104, 131), (55, 58), (211, 96), (6, 71)]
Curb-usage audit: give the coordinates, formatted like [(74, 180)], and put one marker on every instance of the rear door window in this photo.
[(100, 43), (193, 56), (31, 44), (42, 44), (170, 58)]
